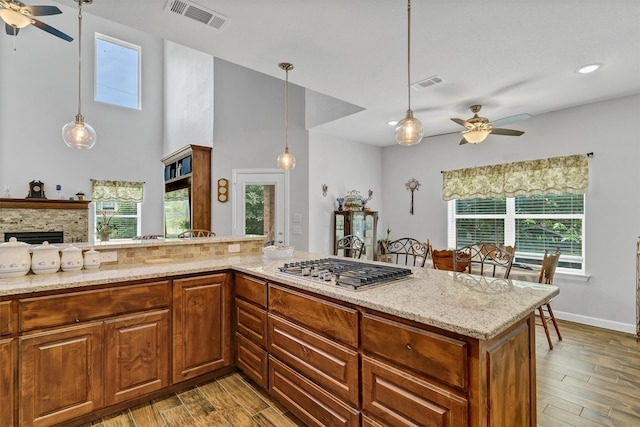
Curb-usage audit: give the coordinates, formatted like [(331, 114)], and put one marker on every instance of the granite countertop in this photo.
[(474, 306)]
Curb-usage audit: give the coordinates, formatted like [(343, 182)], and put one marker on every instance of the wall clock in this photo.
[(36, 190), (223, 190)]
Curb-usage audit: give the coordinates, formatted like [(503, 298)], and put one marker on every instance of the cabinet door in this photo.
[(60, 374), (136, 355), (201, 325), (7, 381)]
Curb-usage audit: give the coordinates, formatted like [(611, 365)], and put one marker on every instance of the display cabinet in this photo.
[(360, 223), (187, 190)]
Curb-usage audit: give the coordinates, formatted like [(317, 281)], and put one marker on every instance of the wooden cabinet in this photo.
[(61, 374), (313, 357), (136, 355), (187, 190), (360, 223), (8, 365), (201, 325), (251, 327)]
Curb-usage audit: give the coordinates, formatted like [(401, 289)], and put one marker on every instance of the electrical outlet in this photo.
[(110, 256), (234, 248)]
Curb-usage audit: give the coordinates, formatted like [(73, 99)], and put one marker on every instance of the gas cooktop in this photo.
[(346, 273)]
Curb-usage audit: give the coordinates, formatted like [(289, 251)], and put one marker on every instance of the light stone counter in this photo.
[(474, 306)]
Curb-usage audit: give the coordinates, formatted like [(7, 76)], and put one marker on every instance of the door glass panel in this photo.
[(260, 211), (176, 212)]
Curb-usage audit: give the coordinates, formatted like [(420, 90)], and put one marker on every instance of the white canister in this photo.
[(45, 259), (71, 259), (14, 258), (91, 259)]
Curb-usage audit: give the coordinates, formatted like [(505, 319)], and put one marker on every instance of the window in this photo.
[(122, 217), (118, 72), (533, 223)]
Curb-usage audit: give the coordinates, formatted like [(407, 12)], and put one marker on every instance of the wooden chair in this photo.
[(351, 245), (407, 250), (491, 259), (187, 234), (443, 260), (547, 271)]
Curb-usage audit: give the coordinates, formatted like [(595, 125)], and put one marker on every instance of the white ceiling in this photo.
[(511, 56)]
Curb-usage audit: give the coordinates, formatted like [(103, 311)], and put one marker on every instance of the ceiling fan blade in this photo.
[(49, 29), (41, 10), (509, 132), (440, 134), (462, 123), (463, 141), (12, 31), (511, 119)]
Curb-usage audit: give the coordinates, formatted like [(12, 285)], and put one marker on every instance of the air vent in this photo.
[(198, 13), (423, 84)]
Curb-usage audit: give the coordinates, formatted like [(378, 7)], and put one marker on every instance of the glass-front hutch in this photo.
[(360, 223)]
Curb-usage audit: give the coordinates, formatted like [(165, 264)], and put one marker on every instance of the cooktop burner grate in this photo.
[(346, 273)]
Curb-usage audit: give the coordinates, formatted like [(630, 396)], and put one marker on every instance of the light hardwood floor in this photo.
[(590, 378)]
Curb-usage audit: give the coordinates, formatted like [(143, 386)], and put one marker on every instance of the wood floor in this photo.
[(591, 378)]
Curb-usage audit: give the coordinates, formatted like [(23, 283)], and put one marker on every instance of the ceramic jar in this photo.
[(91, 259), (71, 259), (45, 259), (14, 258)]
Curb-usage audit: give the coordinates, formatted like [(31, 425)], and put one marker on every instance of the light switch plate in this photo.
[(110, 256), (297, 229), (297, 218)]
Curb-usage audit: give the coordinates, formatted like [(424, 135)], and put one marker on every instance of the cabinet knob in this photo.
[(77, 320), (409, 347)]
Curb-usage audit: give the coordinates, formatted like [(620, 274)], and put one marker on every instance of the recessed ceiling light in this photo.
[(392, 122), (588, 68)]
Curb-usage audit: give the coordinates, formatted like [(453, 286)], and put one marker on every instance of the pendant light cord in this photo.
[(286, 110), (79, 56), (409, 53)]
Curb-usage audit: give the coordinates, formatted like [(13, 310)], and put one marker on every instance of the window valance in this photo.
[(104, 190), (556, 175)]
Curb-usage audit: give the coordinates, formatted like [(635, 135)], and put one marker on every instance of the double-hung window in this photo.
[(533, 223), (122, 217)]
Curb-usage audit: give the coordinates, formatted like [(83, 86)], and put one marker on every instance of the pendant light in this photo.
[(78, 133), (286, 160), (409, 130)]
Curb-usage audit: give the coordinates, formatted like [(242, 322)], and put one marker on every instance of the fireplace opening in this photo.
[(36, 237)]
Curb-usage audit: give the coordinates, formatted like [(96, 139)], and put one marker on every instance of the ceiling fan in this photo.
[(478, 128), (17, 15)]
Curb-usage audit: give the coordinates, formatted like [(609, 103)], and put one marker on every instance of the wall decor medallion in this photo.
[(412, 185), (223, 190), (36, 190)]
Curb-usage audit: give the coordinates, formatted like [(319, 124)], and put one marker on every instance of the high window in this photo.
[(118, 72), (533, 223)]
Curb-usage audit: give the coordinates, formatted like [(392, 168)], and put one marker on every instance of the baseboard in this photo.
[(594, 321)]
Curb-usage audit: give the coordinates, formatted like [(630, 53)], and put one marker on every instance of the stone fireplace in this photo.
[(71, 217)]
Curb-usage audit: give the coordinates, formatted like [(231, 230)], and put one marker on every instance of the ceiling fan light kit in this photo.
[(409, 130), (286, 160), (16, 15), (78, 133)]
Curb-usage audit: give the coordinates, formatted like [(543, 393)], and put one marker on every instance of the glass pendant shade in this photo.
[(476, 136), (78, 134), (286, 160), (409, 130)]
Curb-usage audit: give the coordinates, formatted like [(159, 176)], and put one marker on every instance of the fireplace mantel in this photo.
[(43, 204)]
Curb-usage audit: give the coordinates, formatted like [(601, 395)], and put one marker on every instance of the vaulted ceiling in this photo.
[(511, 56)]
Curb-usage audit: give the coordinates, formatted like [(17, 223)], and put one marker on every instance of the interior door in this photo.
[(260, 204)]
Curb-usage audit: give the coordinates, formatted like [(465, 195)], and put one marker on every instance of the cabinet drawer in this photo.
[(7, 324), (398, 399), (56, 310), (436, 355), (330, 365), (251, 289), (252, 360), (329, 319), (310, 403), (251, 322)]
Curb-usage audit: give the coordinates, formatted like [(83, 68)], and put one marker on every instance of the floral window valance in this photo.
[(103, 190), (556, 175)]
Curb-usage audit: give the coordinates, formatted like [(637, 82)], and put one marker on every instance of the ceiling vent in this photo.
[(198, 13), (423, 84)]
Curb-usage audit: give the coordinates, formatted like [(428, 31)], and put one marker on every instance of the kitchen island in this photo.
[(442, 348)]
